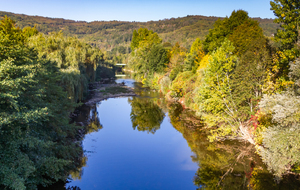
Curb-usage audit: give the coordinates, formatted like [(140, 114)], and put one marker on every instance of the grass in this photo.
[(115, 90)]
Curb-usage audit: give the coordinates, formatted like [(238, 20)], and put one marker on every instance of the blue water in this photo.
[(120, 157)]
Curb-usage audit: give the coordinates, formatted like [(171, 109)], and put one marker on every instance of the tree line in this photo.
[(112, 35), (241, 83), (43, 77)]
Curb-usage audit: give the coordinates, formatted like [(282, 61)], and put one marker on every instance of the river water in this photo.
[(146, 143)]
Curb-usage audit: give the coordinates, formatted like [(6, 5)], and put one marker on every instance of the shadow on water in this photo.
[(86, 116), (60, 186)]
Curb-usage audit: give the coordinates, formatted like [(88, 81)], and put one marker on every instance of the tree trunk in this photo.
[(246, 134)]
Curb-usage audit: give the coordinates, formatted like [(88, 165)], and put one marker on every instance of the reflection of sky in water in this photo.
[(123, 158), (128, 82), (183, 154)]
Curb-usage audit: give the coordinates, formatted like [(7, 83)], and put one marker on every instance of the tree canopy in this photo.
[(37, 142)]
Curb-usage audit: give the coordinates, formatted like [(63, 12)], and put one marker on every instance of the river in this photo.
[(146, 143)]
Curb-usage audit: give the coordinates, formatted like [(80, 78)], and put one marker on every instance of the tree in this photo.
[(281, 140), (158, 59), (144, 38), (245, 35), (287, 13), (223, 28), (77, 61), (280, 137), (36, 139), (214, 96), (176, 64), (194, 57), (148, 55), (249, 75)]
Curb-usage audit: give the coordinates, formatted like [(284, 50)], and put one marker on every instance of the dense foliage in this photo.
[(224, 165), (38, 145), (115, 36), (148, 55), (241, 83), (77, 61)]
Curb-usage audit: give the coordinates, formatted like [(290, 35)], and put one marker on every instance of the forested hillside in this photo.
[(112, 35)]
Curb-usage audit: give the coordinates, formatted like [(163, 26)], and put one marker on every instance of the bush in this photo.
[(183, 83), (165, 84), (280, 150)]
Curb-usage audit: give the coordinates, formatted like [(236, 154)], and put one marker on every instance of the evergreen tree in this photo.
[(287, 13), (158, 59), (249, 74), (223, 28)]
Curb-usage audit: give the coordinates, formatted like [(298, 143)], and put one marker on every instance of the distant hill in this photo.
[(109, 35)]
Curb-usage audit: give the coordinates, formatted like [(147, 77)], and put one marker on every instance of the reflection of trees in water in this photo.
[(77, 174), (88, 116), (145, 114), (145, 92), (73, 188), (94, 124), (59, 186), (224, 165)]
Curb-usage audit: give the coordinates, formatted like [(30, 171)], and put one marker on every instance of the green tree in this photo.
[(287, 13), (176, 64), (36, 139), (249, 75), (194, 57), (223, 28), (158, 59), (148, 55), (144, 38), (214, 96), (77, 61)]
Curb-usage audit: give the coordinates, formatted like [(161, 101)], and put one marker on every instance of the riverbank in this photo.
[(87, 123), (229, 160), (100, 91)]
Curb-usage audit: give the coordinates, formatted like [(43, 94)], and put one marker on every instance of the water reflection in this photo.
[(145, 114), (60, 186), (87, 116), (94, 124), (126, 159), (224, 165), (139, 89)]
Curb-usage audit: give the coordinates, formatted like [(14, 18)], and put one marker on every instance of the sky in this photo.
[(134, 10)]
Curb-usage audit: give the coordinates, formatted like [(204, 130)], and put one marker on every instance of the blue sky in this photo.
[(134, 10)]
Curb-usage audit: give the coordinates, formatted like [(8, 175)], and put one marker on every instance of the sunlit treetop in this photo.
[(287, 14)]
